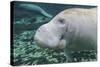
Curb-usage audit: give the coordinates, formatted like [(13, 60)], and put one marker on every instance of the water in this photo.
[(25, 22)]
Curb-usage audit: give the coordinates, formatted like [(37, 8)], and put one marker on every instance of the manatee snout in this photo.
[(39, 37), (44, 37)]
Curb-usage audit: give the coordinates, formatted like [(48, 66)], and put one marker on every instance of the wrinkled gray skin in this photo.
[(72, 30)]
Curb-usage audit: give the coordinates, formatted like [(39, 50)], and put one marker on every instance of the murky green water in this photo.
[(25, 22)]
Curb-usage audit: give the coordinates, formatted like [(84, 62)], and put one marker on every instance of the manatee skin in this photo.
[(73, 29)]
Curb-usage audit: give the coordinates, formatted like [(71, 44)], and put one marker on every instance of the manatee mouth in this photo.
[(59, 44), (40, 43)]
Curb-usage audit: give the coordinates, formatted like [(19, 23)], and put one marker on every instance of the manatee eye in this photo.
[(62, 21)]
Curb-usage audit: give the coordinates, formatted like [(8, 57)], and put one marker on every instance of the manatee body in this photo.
[(29, 11), (73, 29), (36, 8)]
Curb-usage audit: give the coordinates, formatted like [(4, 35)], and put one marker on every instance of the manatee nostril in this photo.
[(41, 28)]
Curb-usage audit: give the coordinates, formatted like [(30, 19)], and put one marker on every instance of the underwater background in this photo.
[(26, 18)]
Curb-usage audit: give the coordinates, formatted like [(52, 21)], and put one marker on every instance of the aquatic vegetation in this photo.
[(26, 52)]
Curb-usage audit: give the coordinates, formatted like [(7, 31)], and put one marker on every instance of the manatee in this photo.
[(34, 8), (73, 29)]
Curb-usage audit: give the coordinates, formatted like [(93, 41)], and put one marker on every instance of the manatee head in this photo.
[(51, 34)]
